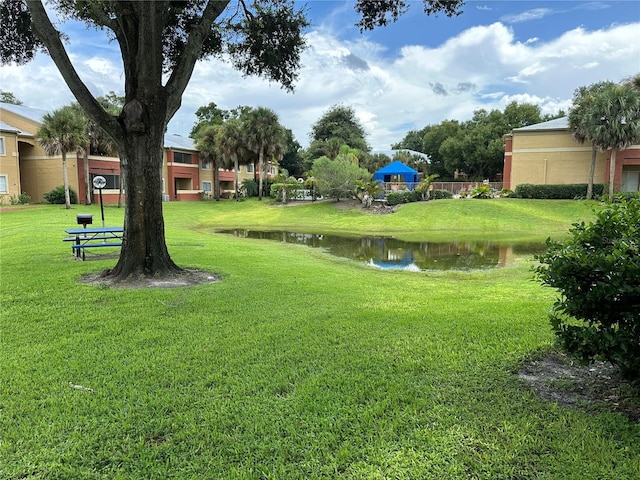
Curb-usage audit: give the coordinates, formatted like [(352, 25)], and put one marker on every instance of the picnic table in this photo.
[(99, 237)]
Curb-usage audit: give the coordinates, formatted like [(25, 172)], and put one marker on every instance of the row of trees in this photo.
[(474, 147), (240, 136), (606, 114), (245, 135)]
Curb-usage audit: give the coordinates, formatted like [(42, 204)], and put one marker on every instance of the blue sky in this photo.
[(420, 71)]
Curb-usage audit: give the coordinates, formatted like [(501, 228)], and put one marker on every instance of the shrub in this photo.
[(557, 192), (406, 196), (22, 199), (250, 187), (395, 198), (441, 194), (56, 196), (597, 273), (292, 186), (619, 197), (482, 191)]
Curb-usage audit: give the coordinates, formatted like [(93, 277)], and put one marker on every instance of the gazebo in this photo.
[(397, 176)]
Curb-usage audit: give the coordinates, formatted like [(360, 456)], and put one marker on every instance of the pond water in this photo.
[(391, 253)]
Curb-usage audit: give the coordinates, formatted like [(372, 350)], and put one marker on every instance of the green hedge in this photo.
[(557, 192), (406, 196), (441, 194)]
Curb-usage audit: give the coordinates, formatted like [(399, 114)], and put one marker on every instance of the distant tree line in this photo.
[(475, 147)]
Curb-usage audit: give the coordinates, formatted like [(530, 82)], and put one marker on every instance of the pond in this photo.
[(391, 253)]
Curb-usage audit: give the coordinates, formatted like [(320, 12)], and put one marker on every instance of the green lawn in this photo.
[(296, 365)]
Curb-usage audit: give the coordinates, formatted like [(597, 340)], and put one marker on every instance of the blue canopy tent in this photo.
[(397, 173)]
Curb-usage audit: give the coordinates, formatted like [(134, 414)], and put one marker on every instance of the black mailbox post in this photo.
[(84, 219)]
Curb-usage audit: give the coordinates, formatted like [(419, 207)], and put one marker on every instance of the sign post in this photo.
[(100, 182)]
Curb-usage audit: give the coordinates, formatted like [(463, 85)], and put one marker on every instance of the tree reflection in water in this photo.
[(391, 253)]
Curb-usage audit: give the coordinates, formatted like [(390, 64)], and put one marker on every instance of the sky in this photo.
[(419, 71)]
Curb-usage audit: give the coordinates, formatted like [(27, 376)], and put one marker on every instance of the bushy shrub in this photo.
[(597, 273), (482, 191), (557, 192), (405, 196), (292, 186), (619, 197), (56, 196), (22, 199), (395, 198), (249, 187), (440, 194)]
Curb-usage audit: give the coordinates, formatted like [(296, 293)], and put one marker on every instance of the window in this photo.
[(1, 145), (273, 170), (250, 168), (206, 164), (181, 157), (3, 184), (206, 186)]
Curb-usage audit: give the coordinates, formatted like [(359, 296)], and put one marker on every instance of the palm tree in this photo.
[(206, 143), (62, 131), (583, 120), (97, 139), (618, 125), (265, 135), (424, 187), (231, 143)]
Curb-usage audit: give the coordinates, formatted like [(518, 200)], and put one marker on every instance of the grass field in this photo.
[(296, 365)]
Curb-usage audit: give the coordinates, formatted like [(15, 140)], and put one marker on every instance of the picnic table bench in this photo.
[(84, 238)]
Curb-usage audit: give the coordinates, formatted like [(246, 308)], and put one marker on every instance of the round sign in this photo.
[(99, 182)]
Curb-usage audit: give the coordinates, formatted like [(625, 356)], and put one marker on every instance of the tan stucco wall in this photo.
[(9, 166), (42, 174), (552, 158)]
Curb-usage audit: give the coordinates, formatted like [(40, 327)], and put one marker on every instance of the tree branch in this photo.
[(50, 37), (191, 53)]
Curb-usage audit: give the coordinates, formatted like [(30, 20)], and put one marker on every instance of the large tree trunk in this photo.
[(592, 171), (144, 251), (139, 28)]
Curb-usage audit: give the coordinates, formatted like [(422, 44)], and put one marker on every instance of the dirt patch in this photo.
[(596, 387), (186, 278)]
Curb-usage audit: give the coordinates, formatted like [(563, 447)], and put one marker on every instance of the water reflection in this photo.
[(391, 253)]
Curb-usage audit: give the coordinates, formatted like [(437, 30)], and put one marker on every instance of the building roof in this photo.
[(33, 114), (5, 127), (561, 123), (179, 142)]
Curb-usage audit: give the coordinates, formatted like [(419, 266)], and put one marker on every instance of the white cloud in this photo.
[(481, 67), (534, 14)]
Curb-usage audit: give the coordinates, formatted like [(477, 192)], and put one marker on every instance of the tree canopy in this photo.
[(336, 127), (62, 131), (9, 97)]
